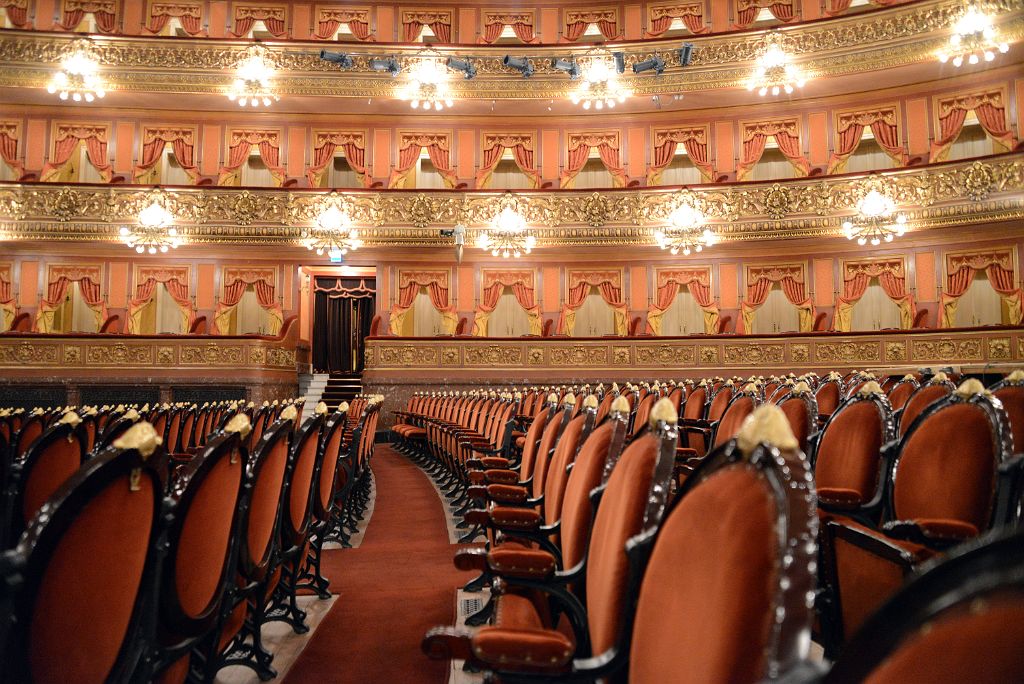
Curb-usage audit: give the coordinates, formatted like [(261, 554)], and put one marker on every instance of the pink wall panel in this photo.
[(296, 150), (633, 18), (917, 126), (36, 135), (381, 152), (124, 148), (117, 293), (45, 13), (817, 143), (924, 263), (205, 290), (551, 154), (720, 15), (638, 291), (728, 284), (386, 23), (302, 20), (210, 163), (824, 283), (468, 24), (810, 9), (133, 16), (29, 283), (550, 25), (218, 18), (1019, 87), (467, 154), (466, 294), (636, 166), (551, 297), (725, 150)]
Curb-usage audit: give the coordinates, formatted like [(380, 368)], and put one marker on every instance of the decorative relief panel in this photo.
[(847, 351), (999, 349), (408, 355), (947, 350), (754, 354), (118, 354), (212, 354), (665, 355), (494, 355), (450, 356), (895, 351), (579, 355), (26, 353)]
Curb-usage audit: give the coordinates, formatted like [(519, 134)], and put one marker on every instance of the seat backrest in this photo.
[(305, 461), (932, 391), (720, 401), (633, 500), (84, 564), (945, 470), (849, 450), (558, 475), (548, 441), (331, 443), (29, 432), (741, 406), (266, 472), (801, 410), (202, 532), (643, 409), (739, 614), (960, 619), (198, 326), (111, 325), (828, 395), (902, 391), (1010, 392), (47, 464), (22, 323)]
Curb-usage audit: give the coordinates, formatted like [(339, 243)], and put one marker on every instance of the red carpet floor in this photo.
[(395, 586)]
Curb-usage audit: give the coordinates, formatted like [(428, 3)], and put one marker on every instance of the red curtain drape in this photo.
[(246, 18), (442, 30), (574, 30), (753, 150), (9, 151), (610, 293), (748, 10), (991, 115), (523, 31), (323, 155), (72, 16), (160, 14), (692, 18), (522, 155), (144, 294), (524, 295), (886, 135), (181, 145), (439, 157), (696, 152), (793, 289), (1002, 281), (492, 31), (666, 294), (233, 292), (609, 157), (609, 28), (789, 145), (238, 152), (17, 12), (438, 298), (56, 290), (66, 144)]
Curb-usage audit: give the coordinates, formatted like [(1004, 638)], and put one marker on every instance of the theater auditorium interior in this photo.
[(511, 341)]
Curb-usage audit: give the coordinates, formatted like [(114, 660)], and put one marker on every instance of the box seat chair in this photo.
[(937, 387), (741, 404), (801, 410)]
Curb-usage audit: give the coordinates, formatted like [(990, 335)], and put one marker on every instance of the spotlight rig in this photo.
[(463, 65), (520, 64), (569, 66)]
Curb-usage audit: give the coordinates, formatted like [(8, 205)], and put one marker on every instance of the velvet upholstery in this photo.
[(848, 455), (88, 592), (946, 469), (707, 617), (919, 401), (1012, 398), (741, 407), (52, 464), (619, 517), (263, 505), (901, 393), (828, 397), (543, 457), (558, 475), (577, 510)]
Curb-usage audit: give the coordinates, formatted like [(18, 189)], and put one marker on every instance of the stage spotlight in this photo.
[(520, 64), (655, 64), (463, 65), (339, 58), (569, 66), (686, 54), (388, 64), (620, 62)]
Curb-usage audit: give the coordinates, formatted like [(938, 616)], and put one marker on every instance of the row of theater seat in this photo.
[(154, 544), (702, 531)]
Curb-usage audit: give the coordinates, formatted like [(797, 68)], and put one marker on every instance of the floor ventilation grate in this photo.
[(470, 606)]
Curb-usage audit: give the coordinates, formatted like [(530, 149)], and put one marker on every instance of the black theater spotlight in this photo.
[(339, 58), (382, 64), (569, 66), (655, 64), (463, 65), (686, 54), (620, 62), (520, 64)]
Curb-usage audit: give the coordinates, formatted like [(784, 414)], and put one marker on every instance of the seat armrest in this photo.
[(522, 563), (509, 477), (507, 494), (474, 558), (511, 519), (542, 651)]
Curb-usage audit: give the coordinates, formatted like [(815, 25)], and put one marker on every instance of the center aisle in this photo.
[(399, 583)]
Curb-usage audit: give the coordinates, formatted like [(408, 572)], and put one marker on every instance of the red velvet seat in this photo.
[(801, 410), (938, 387), (901, 392), (76, 581), (943, 490), (21, 323)]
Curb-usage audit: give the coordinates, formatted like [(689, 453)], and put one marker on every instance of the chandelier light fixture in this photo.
[(877, 220), (253, 81), (427, 85), (684, 234), (600, 85), (78, 76), (974, 38), (774, 71), (508, 236), (154, 232), (333, 234)]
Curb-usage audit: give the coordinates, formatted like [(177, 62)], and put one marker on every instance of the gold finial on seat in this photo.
[(664, 411), (590, 402), (767, 424), (870, 388), (240, 424), (320, 409), (142, 437), (620, 405), (970, 387), (289, 413)]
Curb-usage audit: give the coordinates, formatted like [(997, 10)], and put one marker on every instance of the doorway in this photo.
[(343, 308)]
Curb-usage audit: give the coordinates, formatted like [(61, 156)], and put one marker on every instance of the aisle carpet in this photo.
[(395, 586)]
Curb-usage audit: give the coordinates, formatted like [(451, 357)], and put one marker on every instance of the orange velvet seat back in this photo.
[(88, 592), (329, 467), (52, 464), (29, 432), (828, 396), (643, 410), (733, 418), (263, 504), (946, 469), (1012, 399), (543, 455), (301, 481), (719, 403), (916, 405), (558, 477), (205, 535), (979, 643), (707, 617), (693, 409), (849, 451), (798, 415), (619, 517), (900, 394), (530, 444), (577, 511)]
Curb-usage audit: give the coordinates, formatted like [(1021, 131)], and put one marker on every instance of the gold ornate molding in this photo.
[(942, 195), (905, 34)]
